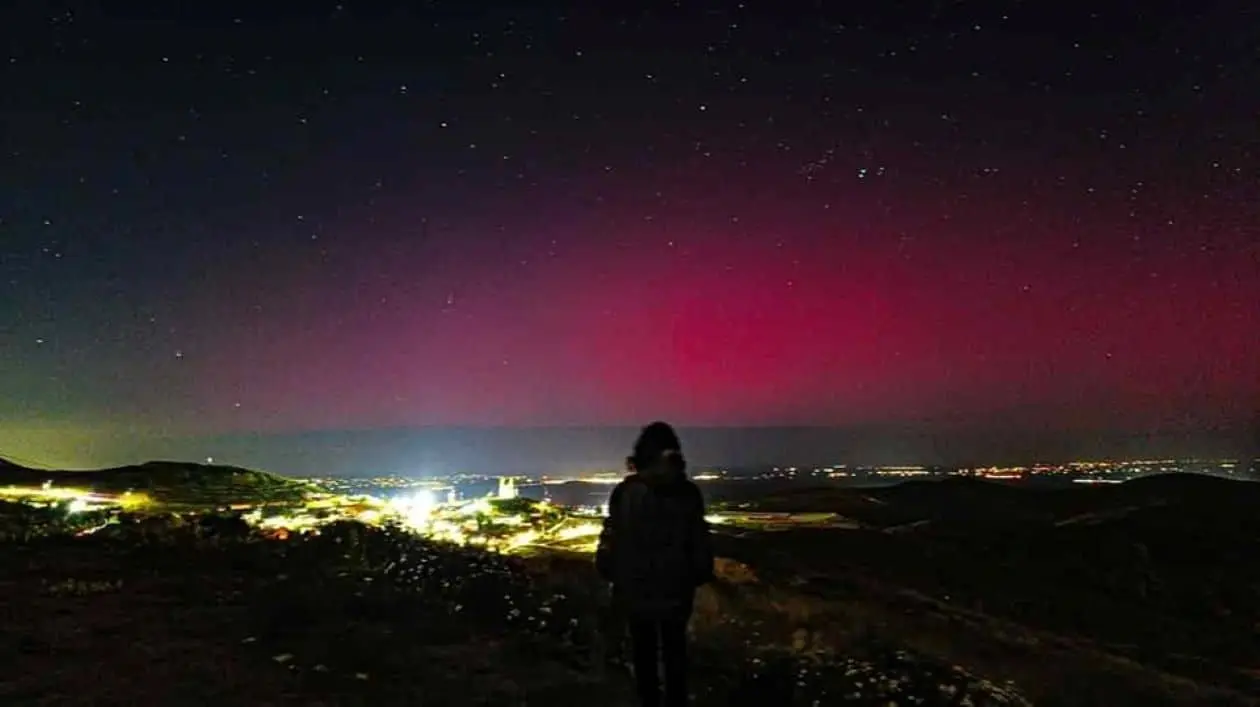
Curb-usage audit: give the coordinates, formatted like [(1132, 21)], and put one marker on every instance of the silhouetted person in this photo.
[(656, 551)]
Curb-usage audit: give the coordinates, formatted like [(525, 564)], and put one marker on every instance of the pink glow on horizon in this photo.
[(713, 333)]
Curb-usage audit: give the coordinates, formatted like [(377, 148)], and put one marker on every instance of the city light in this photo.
[(504, 521), (415, 508)]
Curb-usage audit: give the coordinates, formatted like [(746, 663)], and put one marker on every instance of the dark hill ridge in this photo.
[(1156, 573), (1187, 487), (169, 482), (948, 500), (958, 500)]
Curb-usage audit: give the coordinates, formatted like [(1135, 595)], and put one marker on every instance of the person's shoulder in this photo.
[(628, 482), (694, 493), (681, 488)]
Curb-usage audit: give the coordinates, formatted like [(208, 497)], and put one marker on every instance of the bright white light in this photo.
[(78, 505), (416, 509)]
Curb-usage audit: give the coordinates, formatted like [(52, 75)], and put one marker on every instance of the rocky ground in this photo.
[(361, 616), (1141, 595), (1137, 594)]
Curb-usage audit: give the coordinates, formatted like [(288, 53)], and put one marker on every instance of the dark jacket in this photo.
[(655, 547)]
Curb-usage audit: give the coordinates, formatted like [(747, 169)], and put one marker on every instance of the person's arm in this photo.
[(605, 553), (701, 543)]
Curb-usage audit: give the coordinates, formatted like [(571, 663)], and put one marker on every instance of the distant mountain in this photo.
[(167, 482)]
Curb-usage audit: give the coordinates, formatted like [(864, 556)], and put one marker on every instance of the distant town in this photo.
[(518, 513), (1075, 472)]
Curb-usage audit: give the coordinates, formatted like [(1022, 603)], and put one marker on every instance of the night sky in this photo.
[(974, 227)]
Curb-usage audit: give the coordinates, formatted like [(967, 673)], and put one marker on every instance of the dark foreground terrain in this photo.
[(1140, 594), (209, 614), (1143, 593)]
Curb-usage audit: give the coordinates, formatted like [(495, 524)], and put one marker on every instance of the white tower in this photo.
[(507, 488)]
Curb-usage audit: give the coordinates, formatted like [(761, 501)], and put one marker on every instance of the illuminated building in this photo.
[(507, 488)]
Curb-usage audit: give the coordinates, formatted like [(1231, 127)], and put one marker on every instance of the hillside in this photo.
[(1143, 590), (970, 501), (170, 483), (359, 616), (1141, 593)]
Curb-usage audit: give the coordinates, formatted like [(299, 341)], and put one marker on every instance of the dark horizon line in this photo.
[(569, 448), (26, 464)]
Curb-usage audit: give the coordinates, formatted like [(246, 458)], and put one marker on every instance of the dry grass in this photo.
[(390, 620), (856, 615), (382, 619)]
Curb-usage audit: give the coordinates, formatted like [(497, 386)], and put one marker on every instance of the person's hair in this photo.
[(658, 443)]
